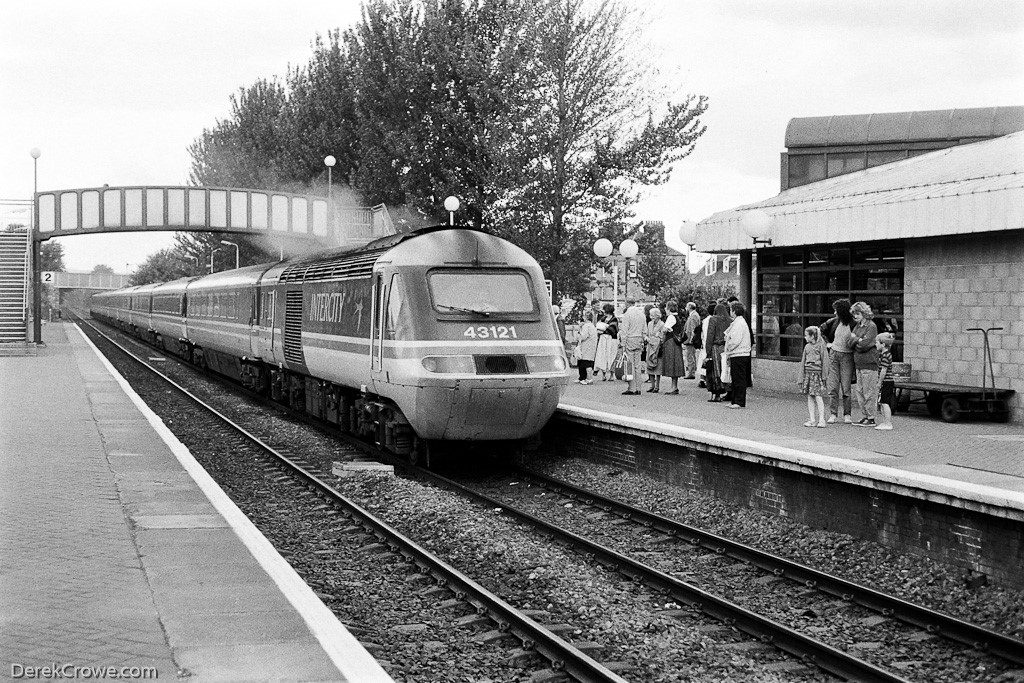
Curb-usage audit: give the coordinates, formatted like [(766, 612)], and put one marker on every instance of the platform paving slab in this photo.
[(111, 554), (970, 451)]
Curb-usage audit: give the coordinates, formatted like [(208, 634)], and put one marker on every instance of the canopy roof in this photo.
[(973, 188)]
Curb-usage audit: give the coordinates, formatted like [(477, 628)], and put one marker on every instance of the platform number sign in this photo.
[(551, 293), (48, 277)]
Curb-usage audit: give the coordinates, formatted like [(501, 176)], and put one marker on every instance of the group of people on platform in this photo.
[(846, 353), (672, 344)]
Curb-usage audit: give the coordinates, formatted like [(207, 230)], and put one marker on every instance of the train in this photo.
[(415, 340)]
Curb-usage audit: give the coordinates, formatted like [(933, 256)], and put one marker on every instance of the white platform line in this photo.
[(335, 639)]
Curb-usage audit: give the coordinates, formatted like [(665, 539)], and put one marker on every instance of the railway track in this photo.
[(657, 533), (350, 521)]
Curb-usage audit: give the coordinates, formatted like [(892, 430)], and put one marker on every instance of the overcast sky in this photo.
[(114, 92)]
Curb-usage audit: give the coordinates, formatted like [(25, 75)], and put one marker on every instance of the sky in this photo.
[(114, 92)]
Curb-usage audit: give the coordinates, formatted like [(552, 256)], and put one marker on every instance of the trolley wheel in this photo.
[(933, 401), (950, 409)]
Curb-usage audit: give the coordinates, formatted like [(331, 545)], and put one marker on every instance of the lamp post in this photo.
[(628, 248), (232, 244), (212, 252), (451, 205), (329, 162), (37, 276)]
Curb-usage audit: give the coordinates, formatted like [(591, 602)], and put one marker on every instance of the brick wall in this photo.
[(955, 283), (965, 538)]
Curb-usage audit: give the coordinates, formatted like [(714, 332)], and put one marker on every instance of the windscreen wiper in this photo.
[(460, 309)]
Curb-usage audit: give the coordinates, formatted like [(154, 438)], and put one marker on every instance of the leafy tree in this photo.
[(102, 269), (538, 115), (656, 267), (51, 256), (699, 289), (163, 266)]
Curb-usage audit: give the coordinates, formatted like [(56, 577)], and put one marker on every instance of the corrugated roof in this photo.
[(866, 129), (971, 188)]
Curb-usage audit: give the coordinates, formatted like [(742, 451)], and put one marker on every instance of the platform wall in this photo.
[(977, 541)]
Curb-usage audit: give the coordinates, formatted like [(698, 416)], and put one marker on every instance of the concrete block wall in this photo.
[(955, 283), (776, 375)]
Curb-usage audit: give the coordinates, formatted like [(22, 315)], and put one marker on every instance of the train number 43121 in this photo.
[(491, 332)]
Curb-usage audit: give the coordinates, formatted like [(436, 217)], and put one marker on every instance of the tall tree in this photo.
[(51, 256), (102, 269), (593, 156)]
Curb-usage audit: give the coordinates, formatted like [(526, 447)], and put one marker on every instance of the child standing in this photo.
[(811, 367), (883, 342)]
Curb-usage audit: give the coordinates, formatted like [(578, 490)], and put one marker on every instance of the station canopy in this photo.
[(972, 188)]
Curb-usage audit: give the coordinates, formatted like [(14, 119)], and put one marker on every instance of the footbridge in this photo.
[(275, 216)]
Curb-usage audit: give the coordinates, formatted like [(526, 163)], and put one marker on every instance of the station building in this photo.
[(919, 214)]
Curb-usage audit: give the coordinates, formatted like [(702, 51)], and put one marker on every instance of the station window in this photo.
[(796, 288), (806, 168)]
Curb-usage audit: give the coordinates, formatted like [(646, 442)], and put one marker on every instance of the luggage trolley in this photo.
[(951, 401)]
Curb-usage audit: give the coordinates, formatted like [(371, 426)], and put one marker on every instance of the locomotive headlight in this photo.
[(545, 363), (450, 365)]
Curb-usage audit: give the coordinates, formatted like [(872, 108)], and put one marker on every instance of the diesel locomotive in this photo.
[(438, 335)]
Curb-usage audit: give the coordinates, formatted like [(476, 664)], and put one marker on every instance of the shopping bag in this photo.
[(619, 365), (726, 371)]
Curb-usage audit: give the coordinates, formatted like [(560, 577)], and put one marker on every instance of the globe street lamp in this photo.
[(688, 234), (329, 162), (758, 224), (451, 205), (232, 244)]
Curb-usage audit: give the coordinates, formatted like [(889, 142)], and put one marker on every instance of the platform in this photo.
[(117, 550), (969, 458)]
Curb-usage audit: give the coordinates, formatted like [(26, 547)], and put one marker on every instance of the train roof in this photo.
[(239, 277), (175, 286)]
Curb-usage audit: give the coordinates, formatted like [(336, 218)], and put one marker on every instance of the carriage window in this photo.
[(481, 291), (397, 316)]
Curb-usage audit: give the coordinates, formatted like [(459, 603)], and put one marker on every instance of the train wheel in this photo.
[(421, 453)]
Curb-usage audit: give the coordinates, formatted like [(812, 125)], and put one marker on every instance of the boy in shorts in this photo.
[(887, 388)]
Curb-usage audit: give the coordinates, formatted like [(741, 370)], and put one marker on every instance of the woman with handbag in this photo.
[(714, 344), (607, 344), (653, 343), (737, 354), (673, 365)]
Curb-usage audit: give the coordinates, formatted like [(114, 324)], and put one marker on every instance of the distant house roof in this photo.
[(972, 188), (943, 125)]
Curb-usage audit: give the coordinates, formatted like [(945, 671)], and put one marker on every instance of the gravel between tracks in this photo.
[(600, 606)]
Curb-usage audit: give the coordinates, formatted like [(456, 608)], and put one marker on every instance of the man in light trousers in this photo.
[(631, 338)]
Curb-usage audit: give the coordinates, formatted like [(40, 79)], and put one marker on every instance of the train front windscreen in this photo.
[(483, 291)]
